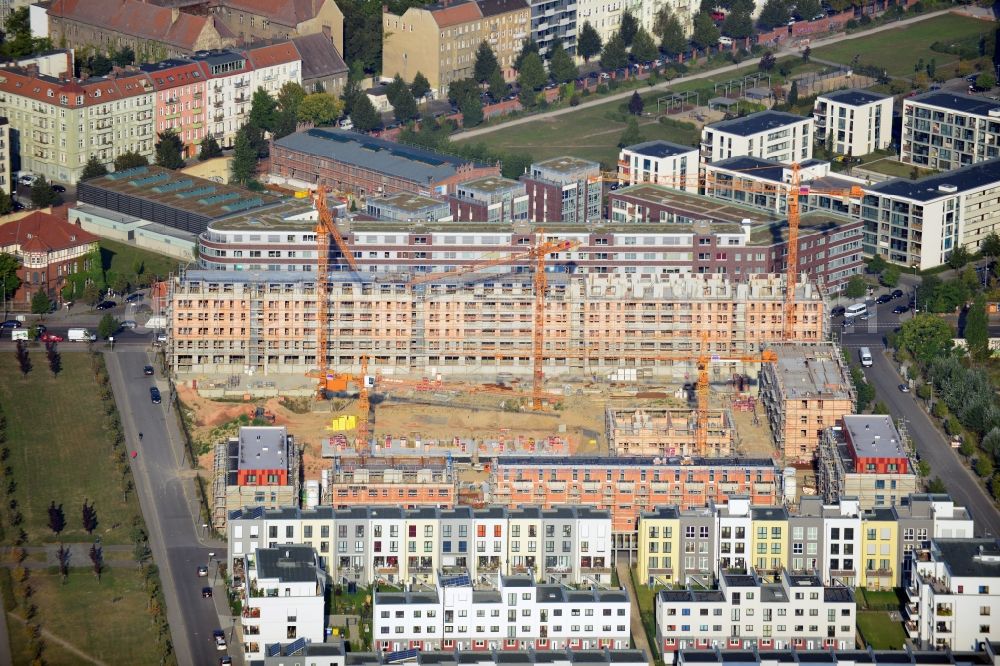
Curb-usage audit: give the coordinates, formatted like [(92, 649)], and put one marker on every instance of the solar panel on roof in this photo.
[(243, 205), (257, 513), (456, 581), (295, 647), (219, 198), (274, 650), (402, 655), (127, 173), (149, 180), (197, 192), (176, 185)]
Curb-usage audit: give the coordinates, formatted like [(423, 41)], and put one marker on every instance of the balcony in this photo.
[(387, 570), (251, 612), (942, 627), (241, 84), (943, 610), (912, 629)]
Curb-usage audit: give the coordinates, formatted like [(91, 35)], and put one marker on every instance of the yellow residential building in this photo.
[(659, 547), (879, 540), (769, 545)]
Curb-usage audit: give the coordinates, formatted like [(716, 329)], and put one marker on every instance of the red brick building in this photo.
[(49, 249)]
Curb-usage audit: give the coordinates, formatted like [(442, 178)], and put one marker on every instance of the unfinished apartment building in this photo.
[(404, 482), (807, 391), (227, 322), (652, 431)]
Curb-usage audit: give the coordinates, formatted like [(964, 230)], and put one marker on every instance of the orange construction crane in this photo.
[(339, 382), (537, 255), (792, 191)]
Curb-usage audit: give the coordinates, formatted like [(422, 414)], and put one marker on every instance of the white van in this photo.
[(866, 357), (80, 335), (725, 41), (856, 310)]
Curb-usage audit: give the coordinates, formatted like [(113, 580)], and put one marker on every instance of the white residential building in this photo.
[(769, 135), (661, 162), (283, 598), (853, 122), (274, 66), (745, 612), (517, 613), (944, 130), (229, 78), (952, 593), (841, 542)]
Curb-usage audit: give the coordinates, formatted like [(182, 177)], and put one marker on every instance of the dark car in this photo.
[(225, 660), (148, 371), (11, 323), (133, 298), (900, 309), (59, 188), (838, 311), (904, 388), (884, 298), (154, 395), (106, 305), (898, 293), (206, 592)]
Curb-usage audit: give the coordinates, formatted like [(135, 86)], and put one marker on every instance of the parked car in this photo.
[(149, 372), (27, 179), (904, 388), (225, 660), (133, 298), (106, 305), (219, 636), (898, 293), (884, 298), (50, 337), (59, 188), (900, 309), (202, 571), (154, 396), (838, 311), (129, 324), (11, 323), (206, 593)]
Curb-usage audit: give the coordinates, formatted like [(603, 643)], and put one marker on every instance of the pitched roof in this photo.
[(286, 12), (90, 92), (133, 17), (495, 7), (172, 73), (275, 54), (319, 57), (447, 15), (42, 232)]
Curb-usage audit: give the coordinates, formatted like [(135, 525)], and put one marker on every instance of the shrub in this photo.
[(851, 25), (575, 100)]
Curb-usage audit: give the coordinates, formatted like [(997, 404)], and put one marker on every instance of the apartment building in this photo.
[(867, 458), (367, 166), (494, 200), (365, 544), (56, 125), (627, 486), (258, 21), (180, 106), (626, 322), (408, 207), (853, 121), (564, 189), (659, 162), (745, 612), (947, 131), (440, 40), (918, 223), (738, 239), (517, 613), (952, 591), (7, 185), (985, 655), (48, 250), (768, 135), (553, 22), (807, 391), (283, 597), (652, 431), (355, 480), (258, 467)]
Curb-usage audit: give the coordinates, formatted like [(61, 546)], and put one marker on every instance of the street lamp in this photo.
[(111, 339)]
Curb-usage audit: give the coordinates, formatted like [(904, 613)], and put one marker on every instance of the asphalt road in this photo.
[(930, 443), (166, 494)]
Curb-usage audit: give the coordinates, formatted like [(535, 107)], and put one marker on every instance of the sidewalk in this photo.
[(635, 617)]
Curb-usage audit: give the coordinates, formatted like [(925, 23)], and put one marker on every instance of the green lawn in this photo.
[(899, 49), (895, 168), (880, 632), (123, 259), (59, 450), (120, 633), (877, 599)]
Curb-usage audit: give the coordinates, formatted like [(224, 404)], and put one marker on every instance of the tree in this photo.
[(209, 148), (531, 78), (877, 264), (856, 287), (635, 104), (89, 517), (738, 25), (667, 28), (977, 334), (54, 358), (628, 28), (990, 246), (42, 194), (6, 203), (631, 134), (324, 109), (107, 326), (18, 40), (94, 168), (806, 9), (459, 89), (130, 160), (705, 33), (486, 62), (588, 42), (793, 94), (936, 485), (57, 518), (561, 65), (243, 167), (643, 47), (959, 257), (405, 108), (984, 467), (364, 116), (890, 276), (925, 337), (285, 123), (41, 304), (614, 56), (767, 62), (63, 555), (169, 150), (472, 111), (395, 89), (97, 560), (9, 281), (23, 360), (497, 86), (290, 96), (773, 14), (421, 86), (352, 91), (986, 81), (530, 46), (262, 110)]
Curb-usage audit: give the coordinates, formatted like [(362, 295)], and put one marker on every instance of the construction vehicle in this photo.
[(262, 414)]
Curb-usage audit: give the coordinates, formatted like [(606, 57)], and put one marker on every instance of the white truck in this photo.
[(80, 335)]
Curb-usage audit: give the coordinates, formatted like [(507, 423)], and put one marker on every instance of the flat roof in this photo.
[(970, 557), (583, 462), (263, 447), (696, 206), (412, 203), (853, 96), (980, 106), (379, 155), (659, 148), (815, 221), (809, 371), (755, 123), (288, 564), (272, 218), (565, 164), (873, 436), (928, 188), (491, 184)]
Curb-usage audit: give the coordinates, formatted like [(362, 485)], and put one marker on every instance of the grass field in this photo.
[(898, 50), (119, 634), (122, 259), (880, 631), (894, 168), (59, 450)]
